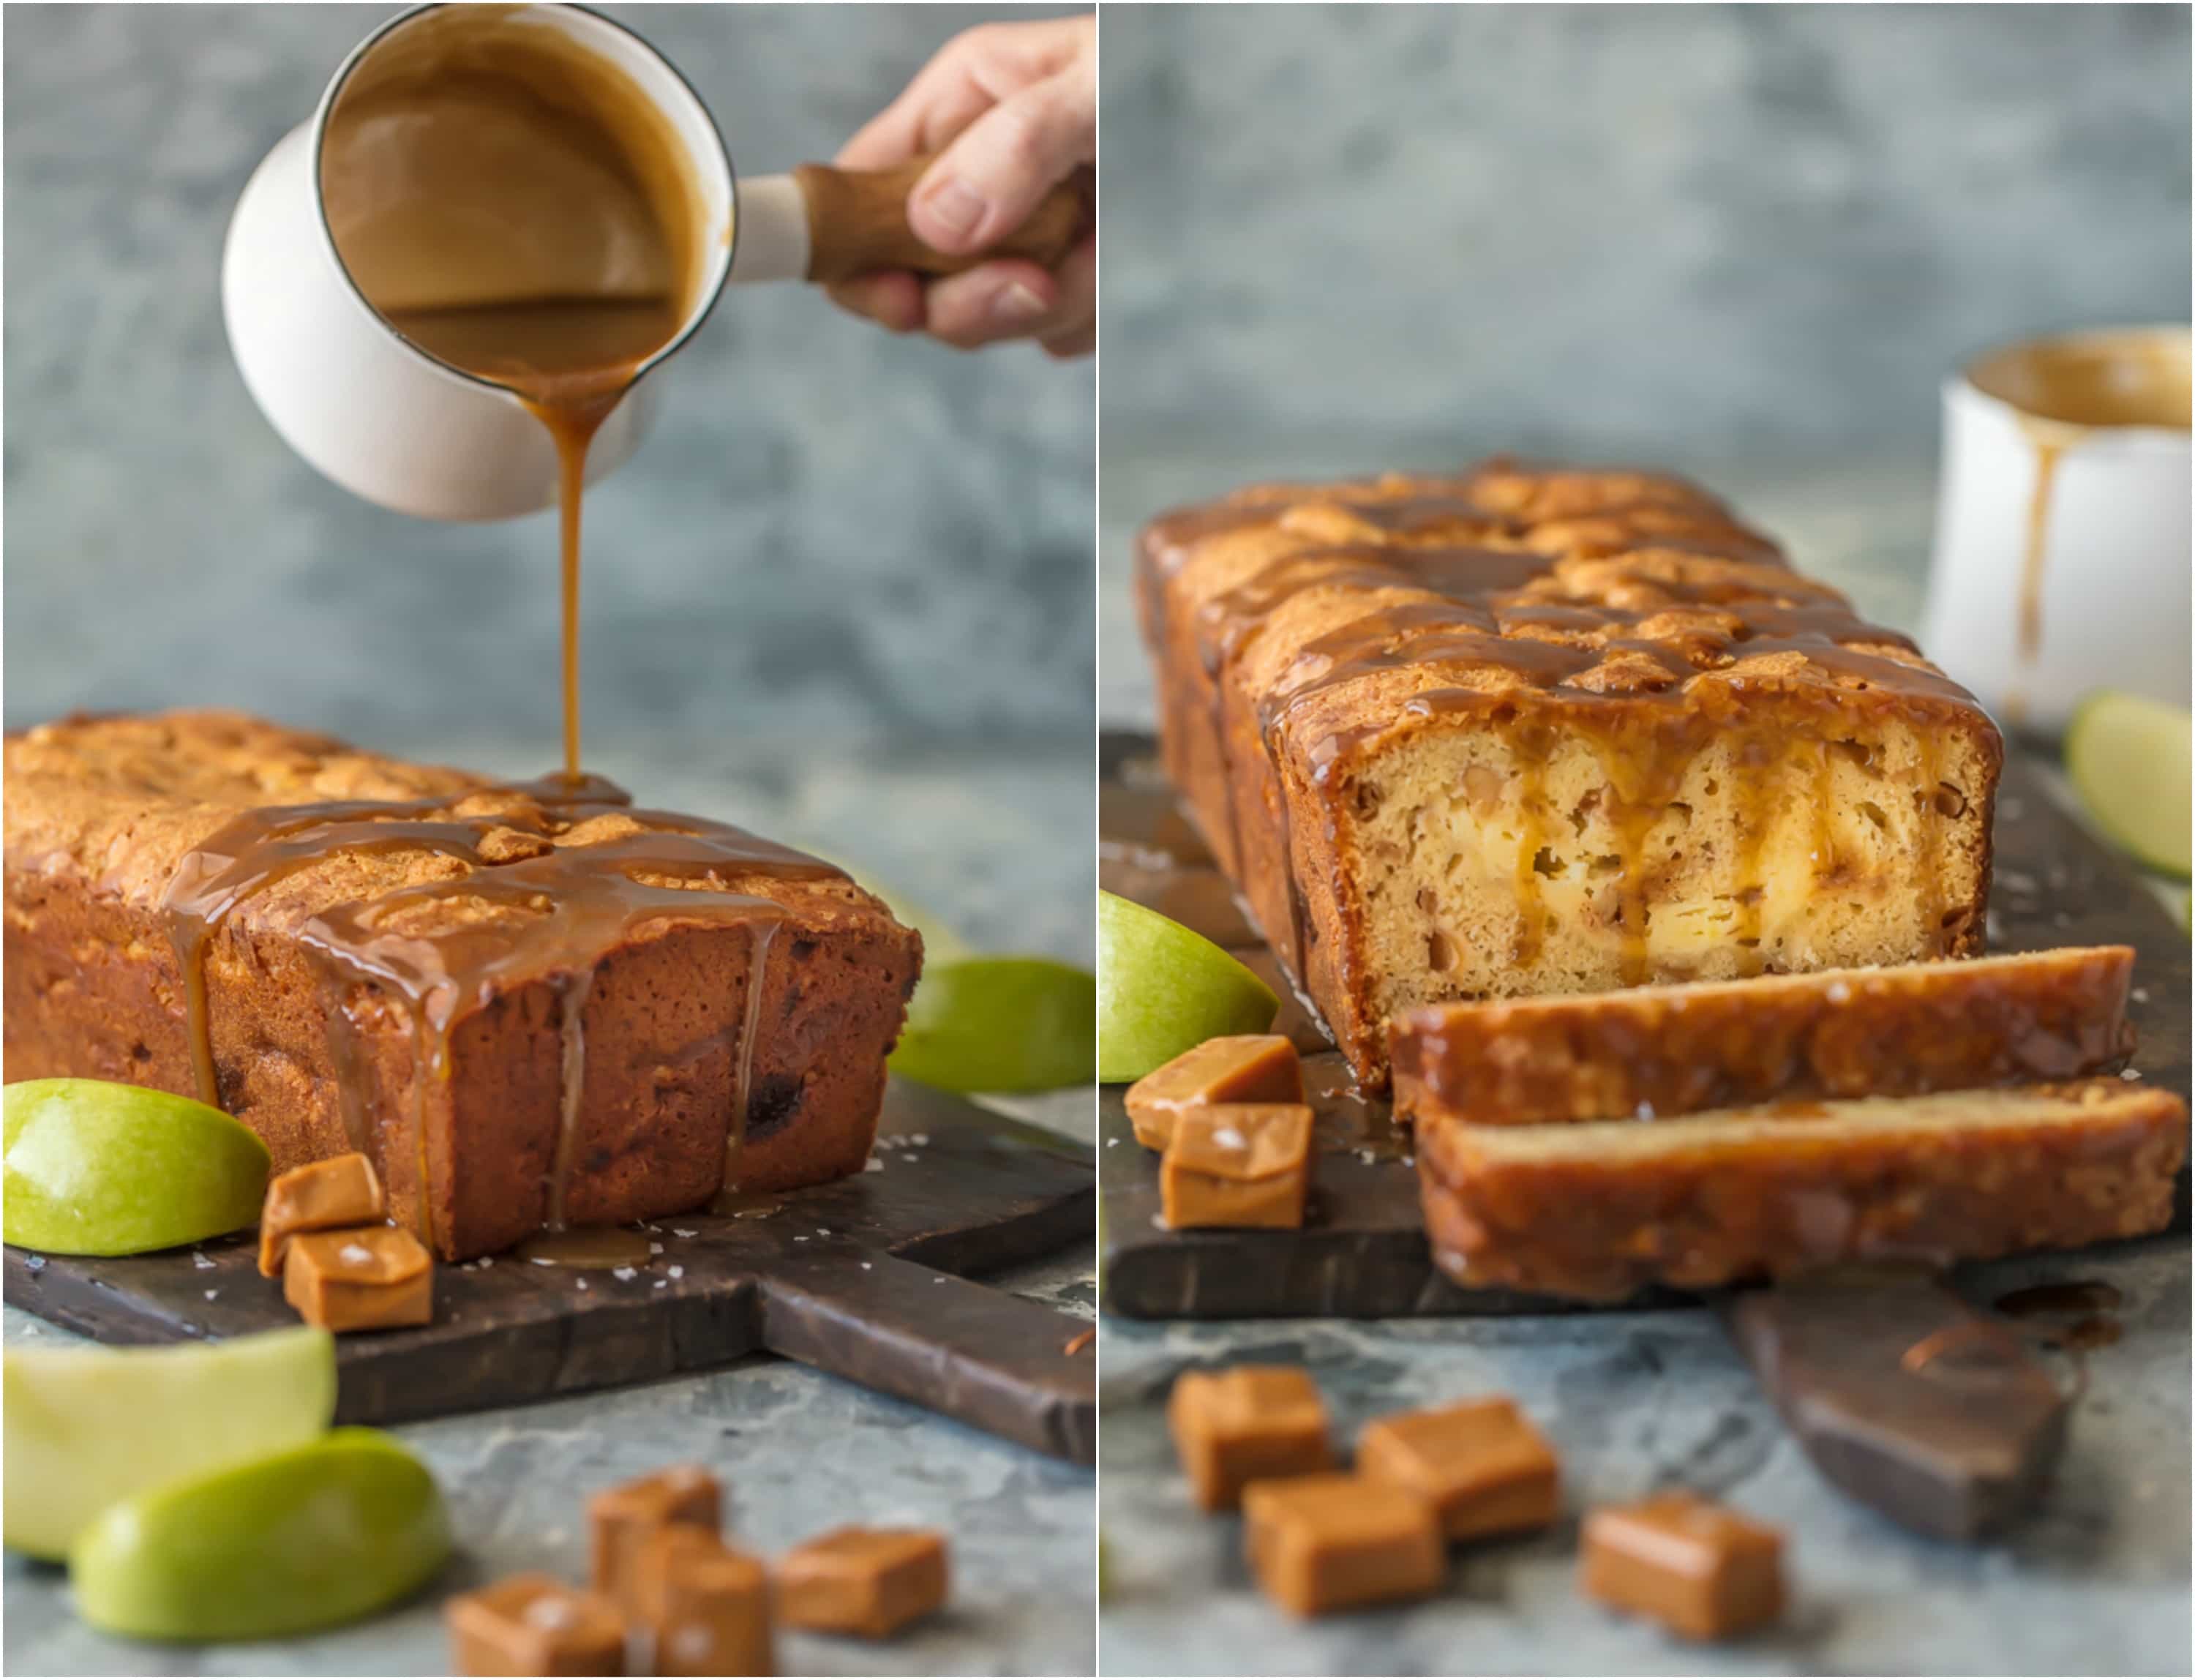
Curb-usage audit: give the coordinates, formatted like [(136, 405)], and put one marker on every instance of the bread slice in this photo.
[(529, 1005), (1600, 1209), (1658, 1051), (1534, 730)]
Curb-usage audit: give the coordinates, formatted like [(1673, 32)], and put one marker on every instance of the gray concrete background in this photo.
[(844, 560), (1671, 231)]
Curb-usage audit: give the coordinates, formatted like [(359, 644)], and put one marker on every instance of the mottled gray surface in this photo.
[(843, 596), (1680, 232), (2095, 1582), (832, 532)]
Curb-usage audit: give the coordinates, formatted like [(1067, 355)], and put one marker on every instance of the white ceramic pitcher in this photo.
[(392, 424)]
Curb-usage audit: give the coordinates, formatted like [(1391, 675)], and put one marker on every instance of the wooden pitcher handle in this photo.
[(857, 223)]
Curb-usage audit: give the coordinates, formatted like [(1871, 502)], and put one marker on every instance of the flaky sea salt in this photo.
[(624, 1274), (677, 1271)]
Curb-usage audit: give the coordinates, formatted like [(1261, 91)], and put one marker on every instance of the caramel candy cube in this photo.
[(1237, 1164), (1483, 1465), (1702, 1570), (704, 1608), (1324, 1543), (621, 1519), (319, 1196), (1232, 1428), (1246, 1067), (373, 1278), (533, 1624), (871, 1582)]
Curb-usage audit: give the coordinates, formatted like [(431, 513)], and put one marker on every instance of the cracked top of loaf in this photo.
[(1418, 593), (133, 804)]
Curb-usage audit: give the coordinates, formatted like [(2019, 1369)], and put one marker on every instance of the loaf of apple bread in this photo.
[(1528, 729), (530, 1005)]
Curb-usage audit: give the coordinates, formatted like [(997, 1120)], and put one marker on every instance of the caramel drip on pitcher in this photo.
[(544, 878), (2062, 392)]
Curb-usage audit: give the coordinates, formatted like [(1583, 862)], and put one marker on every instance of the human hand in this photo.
[(1014, 108)]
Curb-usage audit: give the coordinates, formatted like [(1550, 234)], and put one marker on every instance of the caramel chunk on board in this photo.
[(621, 1520), (1239, 1068), (533, 1624), (319, 1196), (1481, 1465), (869, 1582), (1659, 1051), (1243, 1165), (1524, 730), (375, 1277), (1323, 1542), (1700, 1569), (703, 1607), (1598, 1209), (1245, 1425)]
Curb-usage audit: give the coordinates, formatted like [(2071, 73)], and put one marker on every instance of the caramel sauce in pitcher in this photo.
[(515, 207)]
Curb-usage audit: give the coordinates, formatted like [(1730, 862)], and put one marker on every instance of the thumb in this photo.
[(991, 177)]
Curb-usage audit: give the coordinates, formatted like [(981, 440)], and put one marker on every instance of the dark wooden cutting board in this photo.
[(1362, 1252), (866, 1278)]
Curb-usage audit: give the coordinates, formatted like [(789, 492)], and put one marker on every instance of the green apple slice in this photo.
[(86, 1427), (2128, 760), (91, 1167), (306, 1538), (1001, 1024), (1162, 989)]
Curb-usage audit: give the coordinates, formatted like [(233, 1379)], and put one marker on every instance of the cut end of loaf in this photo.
[(1499, 857)]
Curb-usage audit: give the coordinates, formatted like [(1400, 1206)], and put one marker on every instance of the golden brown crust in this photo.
[(102, 814), (1600, 1209), (1630, 651), (1653, 1052)]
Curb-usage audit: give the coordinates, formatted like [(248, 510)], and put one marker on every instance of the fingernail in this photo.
[(955, 206), (1017, 305)]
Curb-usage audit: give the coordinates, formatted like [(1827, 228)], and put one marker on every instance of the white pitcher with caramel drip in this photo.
[(2062, 558), (504, 215)]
